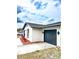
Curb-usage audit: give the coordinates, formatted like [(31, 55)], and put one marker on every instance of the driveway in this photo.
[(33, 47)]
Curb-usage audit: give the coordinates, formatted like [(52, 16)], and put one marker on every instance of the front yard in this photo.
[(49, 53)]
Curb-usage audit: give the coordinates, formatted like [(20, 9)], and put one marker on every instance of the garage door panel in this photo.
[(50, 36)]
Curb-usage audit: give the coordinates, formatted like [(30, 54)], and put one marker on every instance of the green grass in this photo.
[(50, 53)]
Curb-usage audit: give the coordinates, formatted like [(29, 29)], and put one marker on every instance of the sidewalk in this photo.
[(33, 47)]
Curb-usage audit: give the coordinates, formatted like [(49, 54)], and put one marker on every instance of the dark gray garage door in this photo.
[(50, 36)]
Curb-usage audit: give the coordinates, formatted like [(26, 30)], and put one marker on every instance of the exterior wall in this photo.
[(58, 36), (30, 32), (36, 35)]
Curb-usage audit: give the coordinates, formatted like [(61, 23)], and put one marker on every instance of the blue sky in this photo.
[(38, 11)]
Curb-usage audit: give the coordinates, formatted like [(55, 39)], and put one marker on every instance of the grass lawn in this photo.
[(50, 53)]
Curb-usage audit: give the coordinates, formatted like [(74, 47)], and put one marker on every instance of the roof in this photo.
[(53, 24), (33, 25)]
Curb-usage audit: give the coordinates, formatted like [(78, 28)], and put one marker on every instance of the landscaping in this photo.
[(49, 53)]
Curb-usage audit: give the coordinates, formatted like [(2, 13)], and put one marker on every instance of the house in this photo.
[(20, 32), (48, 33)]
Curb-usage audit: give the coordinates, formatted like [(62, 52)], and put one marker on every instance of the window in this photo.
[(27, 33)]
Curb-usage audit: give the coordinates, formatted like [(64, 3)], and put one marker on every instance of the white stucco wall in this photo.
[(30, 32), (36, 35), (58, 36)]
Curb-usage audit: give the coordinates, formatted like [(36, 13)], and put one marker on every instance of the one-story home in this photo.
[(47, 33), (20, 32)]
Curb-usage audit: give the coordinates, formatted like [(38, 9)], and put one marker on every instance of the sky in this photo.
[(38, 11)]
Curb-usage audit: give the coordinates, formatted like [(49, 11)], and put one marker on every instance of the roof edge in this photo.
[(48, 25)]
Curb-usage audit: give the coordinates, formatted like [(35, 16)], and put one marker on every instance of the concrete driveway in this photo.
[(33, 47)]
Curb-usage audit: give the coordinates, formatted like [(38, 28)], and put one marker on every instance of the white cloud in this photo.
[(50, 12)]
